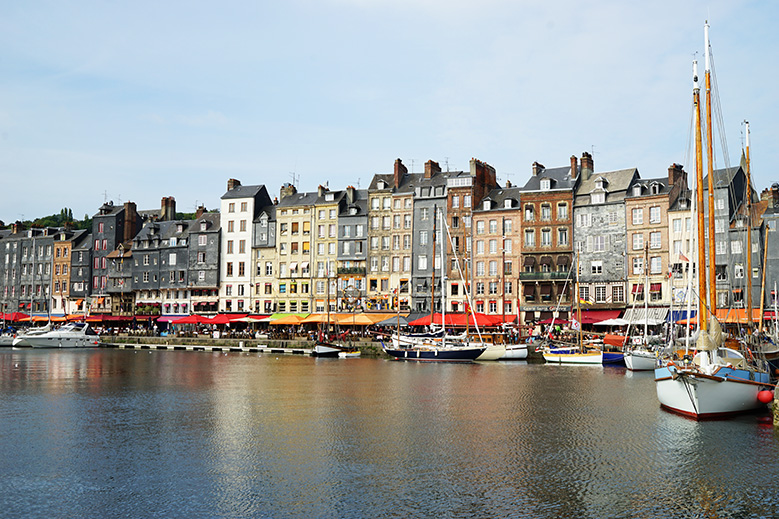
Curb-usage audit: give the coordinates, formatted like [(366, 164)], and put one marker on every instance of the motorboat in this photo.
[(70, 335)]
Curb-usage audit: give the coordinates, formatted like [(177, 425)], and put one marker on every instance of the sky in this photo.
[(135, 101)]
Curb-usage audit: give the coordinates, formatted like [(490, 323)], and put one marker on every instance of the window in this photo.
[(738, 271), (231, 226), (231, 207), (546, 212), (424, 213), (546, 184), (598, 198), (202, 240), (546, 237), (600, 294), (480, 227), (638, 266), (736, 247), (599, 243), (479, 268), (529, 213), (638, 216), (596, 267), (562, 211), (455, 202), (654, 240), (562, 236), (493, 268), (530, 238), (638, 241), (422, 262), (655, 265), (617, 294), (654, 214)]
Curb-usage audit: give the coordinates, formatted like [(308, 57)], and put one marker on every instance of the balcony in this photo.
[(351, 270), (539, 276)]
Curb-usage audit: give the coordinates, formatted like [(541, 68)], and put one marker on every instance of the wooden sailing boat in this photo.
[(578, 353), (717, 381)]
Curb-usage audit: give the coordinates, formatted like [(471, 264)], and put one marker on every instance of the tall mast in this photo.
[(432, 269), (710, 156), (696, 95), (749, 236), (443, 280)]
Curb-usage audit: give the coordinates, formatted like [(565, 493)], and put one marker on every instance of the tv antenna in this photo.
[(446, 163), (295, 178)]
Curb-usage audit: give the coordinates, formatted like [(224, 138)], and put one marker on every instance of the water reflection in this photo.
[(123, 433)]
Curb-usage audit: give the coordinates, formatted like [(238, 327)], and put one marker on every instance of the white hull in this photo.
[(492, 351), (74, 335), (640, 360), (515, 352), (711, 390), (348, 354), (574, 358)]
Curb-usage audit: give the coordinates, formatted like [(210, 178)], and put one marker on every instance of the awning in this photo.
[(637, 289), (79, 301), (546, 289), (637, 315), (737, 291), (563, 260), (656, 287), (529, 289), (293, 267), (529, 261), (596, 316), (546, 260), (304, 265)]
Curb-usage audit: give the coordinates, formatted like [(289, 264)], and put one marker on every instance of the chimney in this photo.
[(508, 183), (775, 194), (537, 168), (232, 184), (275, 200), (431, 168), (130, 221), (400, 172), (676, 175), (321, 190), (200, 212), (168, 209), (574, 166), (16, 226), (587, 166), (350, 195), (287, 189)]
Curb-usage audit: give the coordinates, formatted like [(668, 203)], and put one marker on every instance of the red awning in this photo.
[(656, 287), (596, 316), (638, 289)]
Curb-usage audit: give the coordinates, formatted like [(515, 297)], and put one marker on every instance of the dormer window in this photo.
[(487, 205), (352, 211), (381, 184), (546, 184), (637, 190), (598, 198), (507, 203), (329, 197), (180, 227), (203, 226), (600, 183), (655, 189)]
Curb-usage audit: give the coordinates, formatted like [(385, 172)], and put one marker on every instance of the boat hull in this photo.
[(436, 354), (492, 352), (640, 360), (613, 358), (728, 392), (573, 357), (326, 350), (515, 352)]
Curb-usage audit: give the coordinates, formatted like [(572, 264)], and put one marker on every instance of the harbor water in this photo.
[(129, 433)]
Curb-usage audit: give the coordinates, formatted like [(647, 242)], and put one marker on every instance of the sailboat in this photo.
[(718, 381), (324, 346), (641, 357), (434, 349), (578, 353)]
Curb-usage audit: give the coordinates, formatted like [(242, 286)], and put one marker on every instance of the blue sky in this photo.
[(140, 100)]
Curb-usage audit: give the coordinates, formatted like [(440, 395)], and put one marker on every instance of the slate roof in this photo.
[(243, 192), (499, 195), (617, 184), (560, 177), (298, 199)]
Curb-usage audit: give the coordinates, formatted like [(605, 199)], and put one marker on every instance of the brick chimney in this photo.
[(287, 189), (168, 209), (677, 175), (130, 221), (200, 211), (321, 190), (508, 183), (16, 227), (431, 168), (574, 166), (775, 194), (350, 194), (400, 172), (587, 166), (232, 184), (537, 168)]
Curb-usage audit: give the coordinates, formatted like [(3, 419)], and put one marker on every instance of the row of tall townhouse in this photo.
[(510, 248)]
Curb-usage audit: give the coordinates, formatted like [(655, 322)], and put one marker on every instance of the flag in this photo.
[(683, 257), (575, 324), (584, 301)]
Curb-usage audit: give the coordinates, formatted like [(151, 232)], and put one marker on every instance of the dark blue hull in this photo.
[(436, 354), (614, 358)]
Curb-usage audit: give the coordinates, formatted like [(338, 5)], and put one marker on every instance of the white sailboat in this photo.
[(641, 357), (718, 381)]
